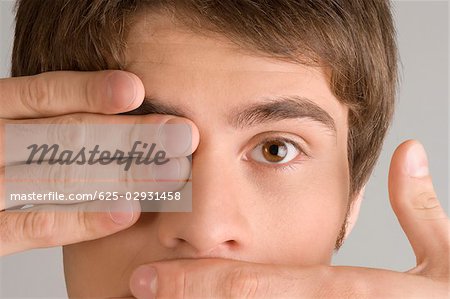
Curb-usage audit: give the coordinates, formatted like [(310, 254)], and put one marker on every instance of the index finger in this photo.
[(224, 278), (64, 92)]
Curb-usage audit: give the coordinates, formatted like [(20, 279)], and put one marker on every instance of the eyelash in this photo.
[(283, 166)]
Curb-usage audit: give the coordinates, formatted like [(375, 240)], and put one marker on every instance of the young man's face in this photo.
[(273, 189)]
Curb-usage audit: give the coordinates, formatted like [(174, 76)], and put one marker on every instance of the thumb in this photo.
[(415, 203)]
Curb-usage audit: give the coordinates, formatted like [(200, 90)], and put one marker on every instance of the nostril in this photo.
[(179, 240), (231, 244), (173, 242)]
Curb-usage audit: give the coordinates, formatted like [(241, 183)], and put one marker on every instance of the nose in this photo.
[(217, 224)]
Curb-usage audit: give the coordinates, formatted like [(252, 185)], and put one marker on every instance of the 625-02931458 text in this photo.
[(97, 195)]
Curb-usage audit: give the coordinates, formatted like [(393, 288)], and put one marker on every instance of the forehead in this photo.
[(189, 65), (159, 39)]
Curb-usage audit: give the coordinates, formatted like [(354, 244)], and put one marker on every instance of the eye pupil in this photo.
[(274, 151)]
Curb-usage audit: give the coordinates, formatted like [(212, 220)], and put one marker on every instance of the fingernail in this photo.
[(143, 282), (417, 162), (121, 91), (176, 138), (167, 171), (121, 211)]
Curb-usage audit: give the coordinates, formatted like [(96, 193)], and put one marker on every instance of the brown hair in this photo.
[(355, 38)]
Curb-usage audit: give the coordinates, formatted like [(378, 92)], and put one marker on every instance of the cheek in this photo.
[(102, 268), (303, 213)]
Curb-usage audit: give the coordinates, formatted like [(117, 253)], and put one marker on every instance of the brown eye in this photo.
[(274, 152)]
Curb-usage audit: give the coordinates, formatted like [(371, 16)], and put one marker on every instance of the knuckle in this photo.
[(242, 283), (82, 222), (427, 206), (67, 179), (39, 226), (6, 228), (426, 200), (69, 131), (38, 93)]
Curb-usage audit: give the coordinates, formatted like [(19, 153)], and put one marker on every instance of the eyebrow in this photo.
[(270, 109), (281, 108)]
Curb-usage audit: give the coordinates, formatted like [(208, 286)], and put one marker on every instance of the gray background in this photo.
[(377, 240)]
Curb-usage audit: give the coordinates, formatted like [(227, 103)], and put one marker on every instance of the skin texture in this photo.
[(243, 208)]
